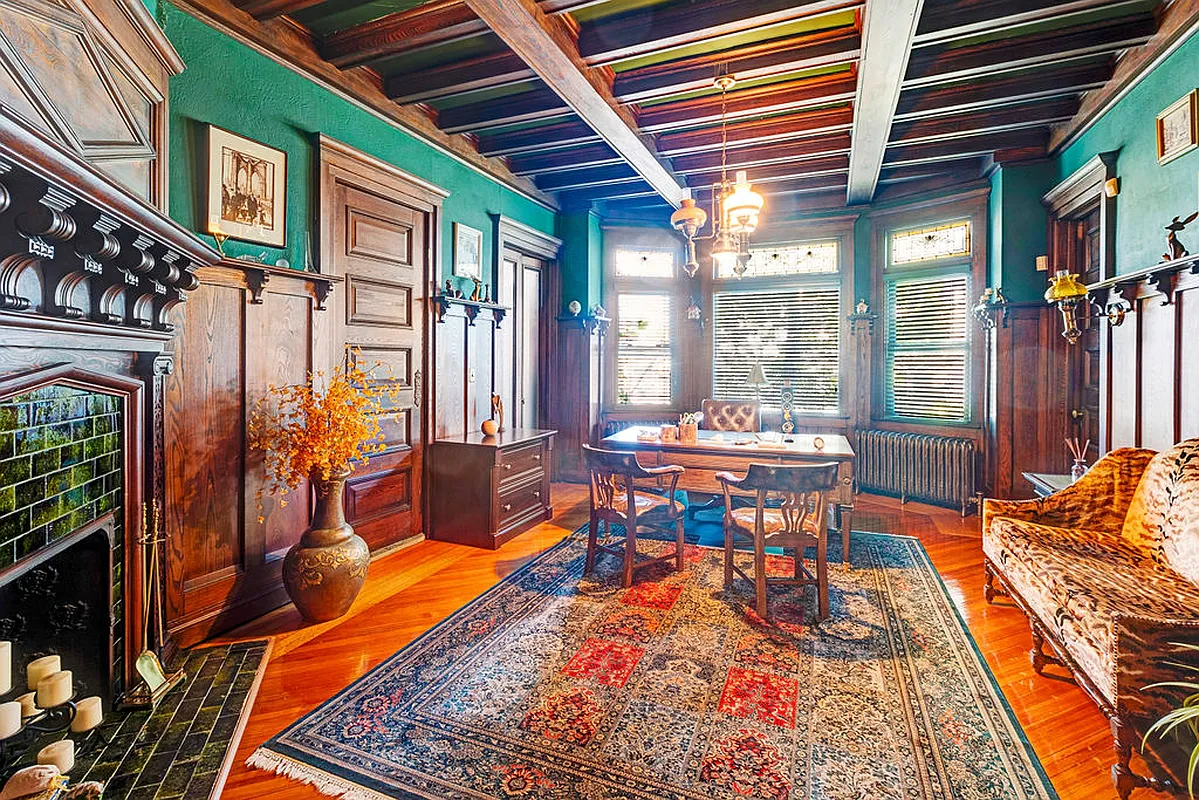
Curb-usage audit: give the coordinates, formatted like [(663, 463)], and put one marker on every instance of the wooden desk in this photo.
[(720, 452)]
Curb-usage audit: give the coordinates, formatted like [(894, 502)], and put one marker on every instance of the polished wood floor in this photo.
[(411, 590)]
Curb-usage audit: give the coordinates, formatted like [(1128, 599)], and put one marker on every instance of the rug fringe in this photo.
[(322, 781)]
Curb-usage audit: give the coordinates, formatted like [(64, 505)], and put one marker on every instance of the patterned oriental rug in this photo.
[(554, 686)]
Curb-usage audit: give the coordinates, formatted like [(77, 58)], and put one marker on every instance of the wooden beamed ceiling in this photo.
[(613, 100)]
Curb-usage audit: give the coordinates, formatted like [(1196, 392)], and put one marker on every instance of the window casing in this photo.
[(927, 364), (644, 308), (786, 314)]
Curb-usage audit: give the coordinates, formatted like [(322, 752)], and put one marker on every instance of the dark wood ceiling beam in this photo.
[(266, 9), (1015, 117), (1001, 91), (426, 25), (501, 68), (805, 185), (934, 65), (749, 62), (827, 165), (986, 144), (586, 156), (784, 152), (967, 166), (825, 90), (548, 46), (758, 132), (659, 28), (581, 178), (954, 21), (887, 32), (573, 133), (614, 191), (536, 104)]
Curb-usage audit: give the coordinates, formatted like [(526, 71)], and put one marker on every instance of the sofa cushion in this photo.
[(1164, 513), (1075, 581)]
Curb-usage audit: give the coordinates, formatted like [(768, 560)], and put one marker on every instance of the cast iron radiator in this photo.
[(939, 469)]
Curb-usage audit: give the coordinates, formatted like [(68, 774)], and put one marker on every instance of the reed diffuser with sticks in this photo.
[(1079, 453)]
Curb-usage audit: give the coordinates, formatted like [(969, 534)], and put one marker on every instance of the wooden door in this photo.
[(379, 240), (522, 284), (1084, 374)]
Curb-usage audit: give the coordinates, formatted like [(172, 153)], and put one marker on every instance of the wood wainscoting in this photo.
[(246, 327)]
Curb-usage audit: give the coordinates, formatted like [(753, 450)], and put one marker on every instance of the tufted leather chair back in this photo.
[(740, 416)]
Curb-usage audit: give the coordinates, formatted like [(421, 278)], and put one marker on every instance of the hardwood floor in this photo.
[(409, 591)]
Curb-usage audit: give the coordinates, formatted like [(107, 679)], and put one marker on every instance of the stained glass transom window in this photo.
[(644, 262), (807, 258), (931, 244)]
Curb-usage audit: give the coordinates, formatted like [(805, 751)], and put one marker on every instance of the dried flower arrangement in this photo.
[(690, 418), (306, 431)]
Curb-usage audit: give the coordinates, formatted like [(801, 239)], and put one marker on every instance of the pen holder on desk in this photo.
[(688, 432)]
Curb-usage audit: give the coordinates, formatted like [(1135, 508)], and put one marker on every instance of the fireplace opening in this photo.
[(60, 603)]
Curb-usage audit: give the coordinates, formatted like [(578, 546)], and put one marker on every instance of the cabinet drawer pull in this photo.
[(537, 495), (508, 466), (507, 506), (537, 457)]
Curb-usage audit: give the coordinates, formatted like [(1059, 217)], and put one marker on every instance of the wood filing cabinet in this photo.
[(486, 490)]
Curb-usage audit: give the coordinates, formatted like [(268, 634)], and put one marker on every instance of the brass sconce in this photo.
[(1067, 294), (991, 308)]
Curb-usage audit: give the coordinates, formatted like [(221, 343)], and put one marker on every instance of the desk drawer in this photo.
[(519, 501), (515, 463), (717, 462)]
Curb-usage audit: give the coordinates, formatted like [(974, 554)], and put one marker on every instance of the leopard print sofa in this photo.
[(1108, 572)]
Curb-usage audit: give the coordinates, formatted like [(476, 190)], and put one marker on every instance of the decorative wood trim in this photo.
[(518, 236), (155, 39), (1083, 190), (331, 145)]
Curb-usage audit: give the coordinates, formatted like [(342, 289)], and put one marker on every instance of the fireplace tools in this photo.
[(155, 682)]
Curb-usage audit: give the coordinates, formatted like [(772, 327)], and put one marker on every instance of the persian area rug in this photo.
[(551, 685)]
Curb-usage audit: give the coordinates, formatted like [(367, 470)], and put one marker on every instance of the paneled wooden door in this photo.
[(379, 234), (522, 285), (1084, 374)]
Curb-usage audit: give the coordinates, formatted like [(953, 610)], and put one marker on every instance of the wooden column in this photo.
[(579, 377)]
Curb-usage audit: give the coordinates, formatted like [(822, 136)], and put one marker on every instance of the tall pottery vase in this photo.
[(325, 570)]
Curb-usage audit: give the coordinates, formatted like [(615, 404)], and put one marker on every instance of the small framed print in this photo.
[(247, 189), (468, 251), (1178, 128)]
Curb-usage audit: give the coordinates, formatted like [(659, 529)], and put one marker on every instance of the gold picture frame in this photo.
[(1178, 128)]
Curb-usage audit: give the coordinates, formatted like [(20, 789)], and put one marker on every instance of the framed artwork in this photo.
[(468, 251), (247, 189), (1178, 128)]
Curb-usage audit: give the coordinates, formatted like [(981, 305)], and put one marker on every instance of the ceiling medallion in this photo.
[(740, 209)]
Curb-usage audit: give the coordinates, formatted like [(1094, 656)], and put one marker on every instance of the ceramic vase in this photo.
[(689, 432), (325, 570)]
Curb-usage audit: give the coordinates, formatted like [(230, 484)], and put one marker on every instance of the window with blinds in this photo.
[(644, 358), (928, 348), (794, 333)]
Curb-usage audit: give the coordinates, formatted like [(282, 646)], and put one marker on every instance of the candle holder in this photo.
[(15, 750)]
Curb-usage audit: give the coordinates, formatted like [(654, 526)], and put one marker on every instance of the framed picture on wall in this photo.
[(247, 189), (1178, 128), (468, 251)]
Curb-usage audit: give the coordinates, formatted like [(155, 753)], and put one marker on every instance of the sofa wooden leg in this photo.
[(989, 586), (1124, 779), (1037, 654)]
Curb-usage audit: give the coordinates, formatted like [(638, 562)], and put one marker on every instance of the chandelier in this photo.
[(740, 208)]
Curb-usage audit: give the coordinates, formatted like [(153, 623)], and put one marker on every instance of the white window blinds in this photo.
[(794, 333), (644, 360), (928, 348)]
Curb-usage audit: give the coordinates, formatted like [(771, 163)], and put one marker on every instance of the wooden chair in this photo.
[(615, 498), (799, 521)]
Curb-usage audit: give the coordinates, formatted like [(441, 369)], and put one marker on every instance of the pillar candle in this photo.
[(5, 667), (40, 668), (10, 719), (61, 754), (88, 714), (54, 690), (28, 703)]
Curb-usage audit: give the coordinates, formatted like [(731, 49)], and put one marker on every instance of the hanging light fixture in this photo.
[(1067, 294), (736, 209)]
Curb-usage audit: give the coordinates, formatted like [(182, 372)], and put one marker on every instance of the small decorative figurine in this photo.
[(497, 411), (449, 288), (1174, 247), (477, 294), (862, 308)]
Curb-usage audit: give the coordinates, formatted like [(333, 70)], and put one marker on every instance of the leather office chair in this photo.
[(615, 498), (738, 416), (798, 522)]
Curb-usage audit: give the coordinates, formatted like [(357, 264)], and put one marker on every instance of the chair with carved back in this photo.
[(797, 521), (617, 499)]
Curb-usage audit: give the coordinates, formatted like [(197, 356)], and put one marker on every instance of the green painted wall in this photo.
[(1017, 230), (1150, 194), (582, 257), (230, 85)]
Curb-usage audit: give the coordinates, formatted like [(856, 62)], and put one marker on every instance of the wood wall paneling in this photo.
[(224, 567)]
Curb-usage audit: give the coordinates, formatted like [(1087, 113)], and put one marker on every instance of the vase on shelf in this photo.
[(325, 570), (1079, 469)]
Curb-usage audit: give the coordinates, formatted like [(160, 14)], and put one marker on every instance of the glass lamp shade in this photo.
[(724, 254), (742, 206), (688, 219), (1064, 286), (757, 376)]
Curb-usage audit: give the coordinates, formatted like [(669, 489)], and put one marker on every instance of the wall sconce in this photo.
[(1067, 294), (991, 308)]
